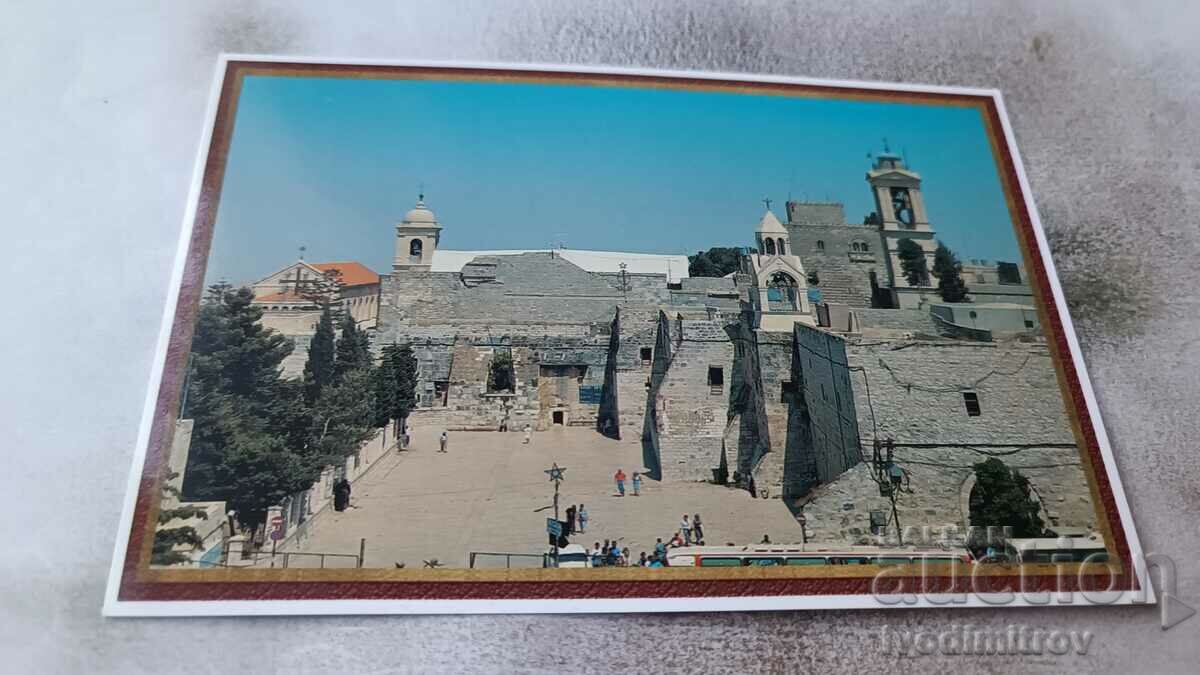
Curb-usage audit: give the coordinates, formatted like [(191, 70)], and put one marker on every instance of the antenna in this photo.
[(421, 191)]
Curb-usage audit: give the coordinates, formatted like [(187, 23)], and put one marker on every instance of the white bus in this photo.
[(1057, 549), (770, 555)]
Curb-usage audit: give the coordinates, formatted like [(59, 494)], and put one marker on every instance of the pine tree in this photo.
[(912, 262), (948, 271), (715, 262), (319, 369), (500, 374), (1002, 497), (395, 386), (163, 550)]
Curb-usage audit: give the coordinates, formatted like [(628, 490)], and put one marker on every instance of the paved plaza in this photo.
[(482, 495)]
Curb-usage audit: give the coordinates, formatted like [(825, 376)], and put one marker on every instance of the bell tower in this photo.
[(417, 238), (900, 206)]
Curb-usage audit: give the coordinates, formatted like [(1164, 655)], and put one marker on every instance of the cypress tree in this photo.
[(912, 262), (319, 369), (353, 349), (948, 271), (1002, 497)]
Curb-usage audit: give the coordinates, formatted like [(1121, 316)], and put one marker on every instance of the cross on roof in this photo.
[(767, 201)]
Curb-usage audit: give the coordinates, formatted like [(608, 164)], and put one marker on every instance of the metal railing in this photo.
[(543, 558)]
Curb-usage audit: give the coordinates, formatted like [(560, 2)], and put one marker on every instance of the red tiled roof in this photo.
[(353, 273)]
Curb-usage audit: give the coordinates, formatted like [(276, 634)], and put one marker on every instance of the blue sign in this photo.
[(590, 393), (554, 527)]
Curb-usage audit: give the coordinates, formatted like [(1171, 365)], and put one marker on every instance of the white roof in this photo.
[(770, 223), (674, 266)]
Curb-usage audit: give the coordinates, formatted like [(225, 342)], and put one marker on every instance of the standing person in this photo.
[(570, 520), (686, 528), (637, 484), (528, 433), (619, 476), (660, 549), (625, 561), (582, 515), (697, 530), (405, 437), (443, 440), (643, 561), (597, 559), (341, 494)]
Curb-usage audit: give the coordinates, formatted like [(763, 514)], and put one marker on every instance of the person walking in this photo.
[(570, 520), (697, 530), (619, 476), (528, 434), (686, 529), (443, 440), (582, 515), (341, 494), (637, 484)]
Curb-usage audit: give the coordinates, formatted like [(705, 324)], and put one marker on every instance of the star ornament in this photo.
[(556, 472)]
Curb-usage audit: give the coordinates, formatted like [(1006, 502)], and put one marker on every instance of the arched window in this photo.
[(781, 293), (782, 248), (415, 247), (865, 248), (854, 247), (770, 246), (820, 245)]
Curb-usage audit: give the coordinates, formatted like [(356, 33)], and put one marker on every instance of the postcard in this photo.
[(489, 338)]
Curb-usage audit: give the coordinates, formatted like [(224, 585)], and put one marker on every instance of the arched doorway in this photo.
[(782, 295)]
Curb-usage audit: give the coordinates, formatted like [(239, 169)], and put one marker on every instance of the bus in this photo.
[(1057, 549), (770, 555)]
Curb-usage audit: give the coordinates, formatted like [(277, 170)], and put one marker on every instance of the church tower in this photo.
[(417, 237), (780, 298), (900, 207)]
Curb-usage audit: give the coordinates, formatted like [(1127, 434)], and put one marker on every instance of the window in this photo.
[(646, 355), (786, 391), (865, 248), (1028, 323), (971, 400), (720, 562), (763, 562), (716, 378), (770, 247), (782, 248), (806, 561), (820, 245), (415, 247)]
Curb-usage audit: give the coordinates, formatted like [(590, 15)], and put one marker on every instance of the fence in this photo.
[(479, 559)]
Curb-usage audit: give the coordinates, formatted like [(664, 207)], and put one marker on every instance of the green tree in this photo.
[(948, 271), (395, 386), (233, 370), (912, 262), (1002, 497), (715, 262), (319, 369), (344, 415), (163, 551), (500, 374), (353, 349)]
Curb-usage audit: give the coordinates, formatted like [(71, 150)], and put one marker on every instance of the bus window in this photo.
[(884, 560), (806, 561), (855, 560), (720, 562), (763, 562), (1062, 557)]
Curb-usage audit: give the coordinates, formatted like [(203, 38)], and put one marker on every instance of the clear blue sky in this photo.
[(333, 164)]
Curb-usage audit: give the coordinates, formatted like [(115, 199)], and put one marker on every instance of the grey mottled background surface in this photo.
[(102, 112)]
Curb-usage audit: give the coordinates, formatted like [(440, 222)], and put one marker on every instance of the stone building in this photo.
[(745, 379)]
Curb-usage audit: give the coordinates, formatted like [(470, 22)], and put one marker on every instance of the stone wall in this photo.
[(844, 275), (826, 404)]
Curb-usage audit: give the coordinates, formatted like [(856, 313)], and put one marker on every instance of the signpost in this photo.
[(276, 532), (554, 527)]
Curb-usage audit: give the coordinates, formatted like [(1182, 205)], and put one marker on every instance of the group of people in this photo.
[(577, 520), (619, 478), (611, 554)]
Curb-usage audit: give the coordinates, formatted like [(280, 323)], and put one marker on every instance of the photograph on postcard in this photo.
[(575, 329)]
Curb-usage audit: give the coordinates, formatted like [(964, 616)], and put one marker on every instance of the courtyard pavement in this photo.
[(481, 495)]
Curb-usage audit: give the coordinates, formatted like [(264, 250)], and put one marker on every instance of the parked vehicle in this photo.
[(810, 554)]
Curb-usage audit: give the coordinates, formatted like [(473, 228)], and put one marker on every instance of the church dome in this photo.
[(420, 215)]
